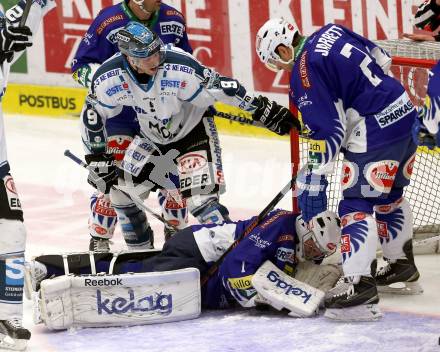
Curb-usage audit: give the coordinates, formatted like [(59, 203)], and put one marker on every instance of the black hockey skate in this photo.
[(400, 276), (353, 300), (101, 245), (13, 336)]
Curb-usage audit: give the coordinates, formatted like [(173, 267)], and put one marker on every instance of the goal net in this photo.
[(411, 64)]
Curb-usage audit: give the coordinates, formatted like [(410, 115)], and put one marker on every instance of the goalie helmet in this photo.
[(319, 238), (272, 34), (136, 40)]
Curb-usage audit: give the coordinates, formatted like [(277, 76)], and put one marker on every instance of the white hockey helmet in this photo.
[(319, 238), (273, 33)]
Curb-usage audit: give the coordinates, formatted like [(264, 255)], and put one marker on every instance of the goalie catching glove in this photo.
[(102, 171), (275, 117)]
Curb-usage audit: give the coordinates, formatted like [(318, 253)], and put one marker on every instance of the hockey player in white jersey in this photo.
[(171, 92), (14, 38), (340, 84)]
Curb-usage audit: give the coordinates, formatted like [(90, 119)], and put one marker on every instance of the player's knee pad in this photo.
[(174, 208), (103, 218), (11, 288), (12, 245), (395, 227), (208, 210), (358, 243), (135, 227)]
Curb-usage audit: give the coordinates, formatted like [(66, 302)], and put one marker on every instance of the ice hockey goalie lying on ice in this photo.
[(275, 265)]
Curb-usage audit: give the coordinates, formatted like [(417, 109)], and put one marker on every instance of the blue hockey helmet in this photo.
[(136, 40)]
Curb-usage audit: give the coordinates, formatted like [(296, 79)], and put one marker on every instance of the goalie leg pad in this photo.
[(282, 291), (322, 277), (119, 300)]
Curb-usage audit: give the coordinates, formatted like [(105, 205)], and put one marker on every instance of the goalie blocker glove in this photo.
[(275, 117), (12, 39), (102, 171)]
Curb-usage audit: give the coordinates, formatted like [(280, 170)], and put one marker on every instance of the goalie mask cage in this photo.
[(411, 64)]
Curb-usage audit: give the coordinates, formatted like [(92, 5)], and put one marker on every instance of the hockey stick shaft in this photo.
[(26, 10), (236, 118), (249, 229), (138, 203)]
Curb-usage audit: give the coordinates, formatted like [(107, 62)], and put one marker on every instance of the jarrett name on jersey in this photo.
[(173, 101), (345, 94), (99, 42)]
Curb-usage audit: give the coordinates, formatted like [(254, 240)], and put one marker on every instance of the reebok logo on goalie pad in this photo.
[(103, 282), (159, 303)]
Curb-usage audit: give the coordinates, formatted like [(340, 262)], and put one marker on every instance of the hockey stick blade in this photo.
[(249, 229), (26, 10), (140, 204)]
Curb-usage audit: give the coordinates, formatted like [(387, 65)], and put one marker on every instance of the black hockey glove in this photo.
[(102, 171), (275, 117), (13, 39)]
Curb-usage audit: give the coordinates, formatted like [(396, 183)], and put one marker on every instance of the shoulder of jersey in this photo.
[(110, 68), (170, 12), (109, 18), (178, 60)]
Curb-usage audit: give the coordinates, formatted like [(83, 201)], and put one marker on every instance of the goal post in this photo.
[(411, 62)]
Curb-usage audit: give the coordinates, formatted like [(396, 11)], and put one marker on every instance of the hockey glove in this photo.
[(312, 196), (275, 117), (13, 39), (102, 171), (421, 135)]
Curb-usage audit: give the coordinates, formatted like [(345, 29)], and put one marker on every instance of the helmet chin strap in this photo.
[(140, 3)]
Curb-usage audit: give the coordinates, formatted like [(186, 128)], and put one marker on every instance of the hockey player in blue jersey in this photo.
[(98, 45), (282, 238), (349, 103), (171, 93)]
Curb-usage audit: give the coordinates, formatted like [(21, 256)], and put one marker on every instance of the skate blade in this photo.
[(402, 288), (8, 343), (364, 312)]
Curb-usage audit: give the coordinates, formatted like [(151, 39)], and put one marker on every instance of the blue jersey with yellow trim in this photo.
[(274, 240)]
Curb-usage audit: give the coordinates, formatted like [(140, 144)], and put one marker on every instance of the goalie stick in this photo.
[(249, 229), (138, 202)]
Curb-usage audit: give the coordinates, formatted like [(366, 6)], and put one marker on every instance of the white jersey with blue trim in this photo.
[(173, 101), (37, 11), (348, 101)]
